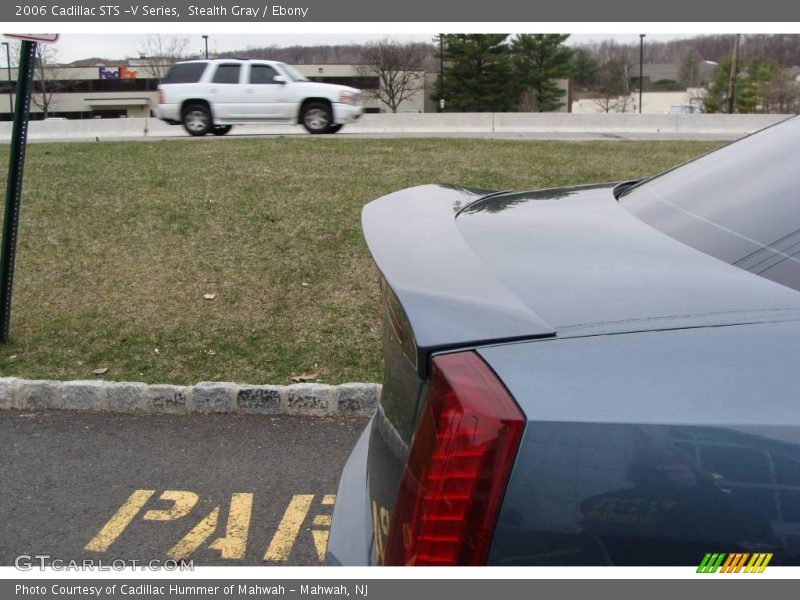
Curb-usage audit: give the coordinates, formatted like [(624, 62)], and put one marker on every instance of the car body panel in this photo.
[(266, 101), (659, 445), (443, 288), (649, 495), (350, 540), (587, 266), (703, 376)]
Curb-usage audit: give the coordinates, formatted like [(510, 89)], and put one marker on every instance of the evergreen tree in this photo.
[(583, 68), (478, 75), (540, 59), (754, 80)]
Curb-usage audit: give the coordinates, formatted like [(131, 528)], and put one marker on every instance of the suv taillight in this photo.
[(457, 469), (160, 96)]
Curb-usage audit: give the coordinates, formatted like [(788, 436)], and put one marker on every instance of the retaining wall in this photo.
[(716, 124)]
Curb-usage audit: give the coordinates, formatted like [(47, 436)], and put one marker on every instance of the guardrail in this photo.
[(427, 123)]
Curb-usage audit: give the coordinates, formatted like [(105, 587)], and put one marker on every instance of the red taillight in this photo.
[(457, 469), (160, 96)]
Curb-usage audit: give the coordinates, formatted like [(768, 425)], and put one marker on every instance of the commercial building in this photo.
[(129, 88), (101, 91)]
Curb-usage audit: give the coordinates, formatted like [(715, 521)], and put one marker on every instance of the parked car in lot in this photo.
[(592, 375), (211, 96)]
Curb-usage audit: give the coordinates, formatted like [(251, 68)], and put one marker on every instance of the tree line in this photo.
[(498, 72)]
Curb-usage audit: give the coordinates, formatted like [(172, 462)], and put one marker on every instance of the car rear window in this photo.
[(185, 72), (227, 74), (740, 204)]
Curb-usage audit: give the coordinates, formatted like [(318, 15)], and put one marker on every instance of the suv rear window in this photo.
[(185, 72), (227, 74)]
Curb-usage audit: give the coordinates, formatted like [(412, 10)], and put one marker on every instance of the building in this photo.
[(653, 103), (101, 91), (665, 74), (119, 89)]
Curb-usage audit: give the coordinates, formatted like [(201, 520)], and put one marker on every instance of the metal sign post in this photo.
[(16, 163)]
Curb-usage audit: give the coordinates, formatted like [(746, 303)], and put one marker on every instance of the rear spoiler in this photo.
[(438, 294)]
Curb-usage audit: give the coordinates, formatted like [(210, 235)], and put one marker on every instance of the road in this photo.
[(344, 135), (217, 490)]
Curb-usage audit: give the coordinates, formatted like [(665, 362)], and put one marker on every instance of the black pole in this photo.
[(641, 69), (441, 72), (205, 38), (16, 163)]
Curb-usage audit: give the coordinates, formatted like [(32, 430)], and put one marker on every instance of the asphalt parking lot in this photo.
[(217, 489)]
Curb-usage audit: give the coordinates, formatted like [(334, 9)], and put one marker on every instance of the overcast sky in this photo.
[(74, 46)]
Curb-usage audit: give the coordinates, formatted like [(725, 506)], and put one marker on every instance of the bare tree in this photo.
[(781, 93), (158, 52), (48, 78), (611, 103), (689, 73), (398, 68), (613, 93)]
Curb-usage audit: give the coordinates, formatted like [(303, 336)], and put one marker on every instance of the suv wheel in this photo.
[(316, 117), (197, 119), (335, 128), (221, 129)]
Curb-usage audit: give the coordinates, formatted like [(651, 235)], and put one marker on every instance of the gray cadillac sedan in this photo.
[(595, 375)]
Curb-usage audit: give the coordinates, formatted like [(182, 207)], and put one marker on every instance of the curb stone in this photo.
[(310, 398), (205, 397)]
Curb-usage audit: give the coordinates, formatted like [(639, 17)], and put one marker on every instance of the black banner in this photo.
[(465, 11), (732, 588)]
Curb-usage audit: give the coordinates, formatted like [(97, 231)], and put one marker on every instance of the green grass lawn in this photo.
[(119, 243)]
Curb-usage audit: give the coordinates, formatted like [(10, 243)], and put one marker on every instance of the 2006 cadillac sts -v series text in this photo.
[(588, 375)]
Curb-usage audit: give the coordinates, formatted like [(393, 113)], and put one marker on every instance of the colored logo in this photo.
[(734, 563), (116, 73)]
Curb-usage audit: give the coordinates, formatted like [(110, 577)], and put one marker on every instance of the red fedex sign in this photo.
[(116, 73)]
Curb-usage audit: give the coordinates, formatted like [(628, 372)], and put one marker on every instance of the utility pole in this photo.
[(205, 38), (641, 69), (734, 70)]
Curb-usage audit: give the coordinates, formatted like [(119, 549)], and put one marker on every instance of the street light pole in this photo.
[(641, 69), (441, 72), (8, 64), (205, 38)]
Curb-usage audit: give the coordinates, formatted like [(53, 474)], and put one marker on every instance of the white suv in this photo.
[(210, 96)]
